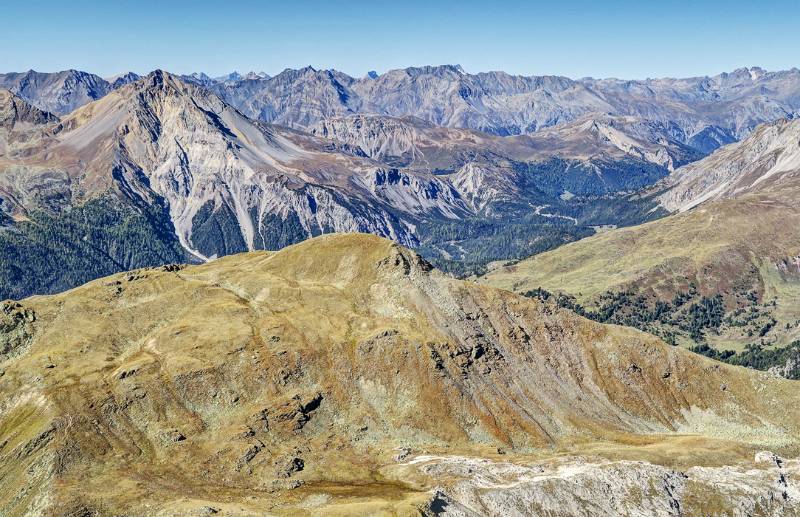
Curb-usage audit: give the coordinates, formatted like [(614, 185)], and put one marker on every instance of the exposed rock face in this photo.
[(592, 139), (594, 155), (704, 112), (295, 382), (121, 80), (22, 127), (15, 111), (765, 160), (230, 184), (294, 98), (575, 486), (16, 329), (60, 92)]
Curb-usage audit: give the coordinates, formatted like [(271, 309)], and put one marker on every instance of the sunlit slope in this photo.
[(163, 390)]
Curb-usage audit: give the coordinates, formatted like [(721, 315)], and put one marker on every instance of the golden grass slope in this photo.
[(722, 247), (261, 383)]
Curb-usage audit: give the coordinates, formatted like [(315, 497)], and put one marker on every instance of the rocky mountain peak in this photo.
[(59, 92), (121, 80), (435, 70)]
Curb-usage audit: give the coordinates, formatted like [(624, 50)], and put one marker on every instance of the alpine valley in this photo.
[(423, 292), (99, 176)]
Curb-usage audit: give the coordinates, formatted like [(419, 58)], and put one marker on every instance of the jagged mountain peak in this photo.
[(58, 93), (162, 80), (121, 80), (233, 184), (199, 78), (438, 70)]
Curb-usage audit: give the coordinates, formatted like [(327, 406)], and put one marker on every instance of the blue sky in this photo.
[(574, 38)]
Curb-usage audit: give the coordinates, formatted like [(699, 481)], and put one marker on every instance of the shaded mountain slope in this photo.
[(59, 92)]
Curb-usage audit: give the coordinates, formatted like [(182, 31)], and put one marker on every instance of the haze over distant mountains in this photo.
[(703, 112)]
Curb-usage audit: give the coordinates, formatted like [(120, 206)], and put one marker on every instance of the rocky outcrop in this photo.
[(577, 486), (16, 329), (15, 111)]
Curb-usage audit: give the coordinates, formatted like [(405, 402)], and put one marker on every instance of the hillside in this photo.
[(730, 261), (343, 375), (762, 161)]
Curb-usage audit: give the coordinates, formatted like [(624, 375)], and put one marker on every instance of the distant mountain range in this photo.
[(170, 159), (702, 112)]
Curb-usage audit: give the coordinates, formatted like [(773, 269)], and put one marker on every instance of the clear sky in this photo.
[(627, 39)]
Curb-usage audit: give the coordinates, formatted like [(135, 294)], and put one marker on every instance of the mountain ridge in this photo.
[(347, 369), (731, 244), (713, 110)]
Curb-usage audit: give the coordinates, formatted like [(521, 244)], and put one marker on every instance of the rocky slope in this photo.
[(595, 138), (344, 376), (15, 112), (60, 92), (229, 183), (594, 155), (764, 160), (121, 80), (21, 125), (294, 98)]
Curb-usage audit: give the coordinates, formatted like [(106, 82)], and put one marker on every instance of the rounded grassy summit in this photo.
[(345, 375)]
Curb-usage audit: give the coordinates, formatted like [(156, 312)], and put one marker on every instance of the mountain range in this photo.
[(165, 168), (184, 352), (703, 112), (204, 180)]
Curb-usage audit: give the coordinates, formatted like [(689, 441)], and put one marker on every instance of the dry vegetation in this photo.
[(306, 380)]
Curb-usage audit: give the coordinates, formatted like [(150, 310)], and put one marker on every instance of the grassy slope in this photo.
[(229, 356), (726, 247)]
